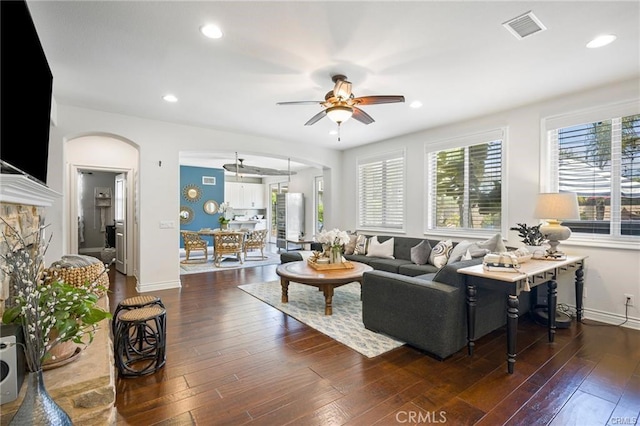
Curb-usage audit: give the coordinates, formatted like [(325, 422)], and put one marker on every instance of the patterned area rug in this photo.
[(228, 263), (306, 304)]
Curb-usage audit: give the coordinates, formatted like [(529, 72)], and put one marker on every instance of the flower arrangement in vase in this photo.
[(44, 309), (333, 242), (222, 219)]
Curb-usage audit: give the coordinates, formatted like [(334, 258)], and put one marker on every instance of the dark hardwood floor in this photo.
[(232, 359)]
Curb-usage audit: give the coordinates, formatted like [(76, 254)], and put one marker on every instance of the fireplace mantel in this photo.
[(19, 189)]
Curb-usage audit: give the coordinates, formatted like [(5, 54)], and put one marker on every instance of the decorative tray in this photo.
[(328, 266)]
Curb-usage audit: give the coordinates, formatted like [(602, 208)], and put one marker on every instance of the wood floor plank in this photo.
[(584, 409), (232, 359)]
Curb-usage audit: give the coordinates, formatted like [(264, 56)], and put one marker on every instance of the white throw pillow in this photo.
[(384, 250), (440, 253)]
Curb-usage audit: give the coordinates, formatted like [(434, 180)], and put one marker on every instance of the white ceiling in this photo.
[(454, 57)]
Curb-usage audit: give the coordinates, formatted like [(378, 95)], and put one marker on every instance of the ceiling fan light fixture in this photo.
[(339, 113), (342, 89)]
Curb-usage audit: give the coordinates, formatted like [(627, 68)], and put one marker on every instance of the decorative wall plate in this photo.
[(192, 193), (186, 215), (210, 207)]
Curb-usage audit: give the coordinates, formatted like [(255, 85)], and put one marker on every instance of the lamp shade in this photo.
[(339, 114), (559, 206)]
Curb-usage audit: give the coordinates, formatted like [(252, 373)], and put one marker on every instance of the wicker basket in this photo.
[(79, 271)]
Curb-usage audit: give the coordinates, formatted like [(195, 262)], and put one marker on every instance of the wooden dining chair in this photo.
[(226, 243), (193, 241), (255, 240)]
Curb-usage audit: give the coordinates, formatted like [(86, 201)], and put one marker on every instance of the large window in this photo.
[(381, 192), (465, 183), (600, 162), (319, 203)]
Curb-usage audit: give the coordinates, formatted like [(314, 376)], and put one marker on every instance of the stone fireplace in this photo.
[(84, 388)]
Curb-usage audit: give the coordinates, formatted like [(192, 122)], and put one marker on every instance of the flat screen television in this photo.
[(26, 85)]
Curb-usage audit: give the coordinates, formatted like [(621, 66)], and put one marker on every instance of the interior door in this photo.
[(120, 200)]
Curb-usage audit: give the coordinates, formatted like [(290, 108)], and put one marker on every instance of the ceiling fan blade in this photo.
[(379, 99), (316, 118), (362, 116), (254, 170), (300, 103)]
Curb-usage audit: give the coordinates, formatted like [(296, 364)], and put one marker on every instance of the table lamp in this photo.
[(555, 207)]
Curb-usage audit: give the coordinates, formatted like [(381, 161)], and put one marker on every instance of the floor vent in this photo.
[(524, 25)]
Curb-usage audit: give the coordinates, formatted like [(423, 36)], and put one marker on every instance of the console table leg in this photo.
[(552, 302), (471, 317), (579, 291), (512, 329), (285, 290)]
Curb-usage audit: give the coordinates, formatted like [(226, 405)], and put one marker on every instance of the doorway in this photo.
[(101, 200)]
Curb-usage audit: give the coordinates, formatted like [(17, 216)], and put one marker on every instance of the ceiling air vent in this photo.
[(524, 25)]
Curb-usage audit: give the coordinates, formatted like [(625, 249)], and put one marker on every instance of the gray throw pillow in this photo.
[(420, 253), (458, 251), (493, 244)]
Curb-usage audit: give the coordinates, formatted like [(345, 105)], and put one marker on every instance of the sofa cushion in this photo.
[(440, 253), (420, 253), (413, 270), (358, 258), (383, 250), (389, 265)]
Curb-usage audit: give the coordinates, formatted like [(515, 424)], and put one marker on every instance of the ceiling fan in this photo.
[(240, 168), (340, 104)]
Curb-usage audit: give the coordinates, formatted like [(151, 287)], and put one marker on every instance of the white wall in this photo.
[(158, 178), (610, 272)]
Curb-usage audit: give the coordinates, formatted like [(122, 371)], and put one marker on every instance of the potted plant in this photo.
[(222, 219), (531, 236), (43, 307), (50, 310)]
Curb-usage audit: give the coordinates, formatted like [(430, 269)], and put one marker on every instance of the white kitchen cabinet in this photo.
[(244, 195)]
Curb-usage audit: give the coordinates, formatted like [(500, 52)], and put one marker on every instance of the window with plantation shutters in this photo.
[(600, 162), (465, 183), (381, 191)]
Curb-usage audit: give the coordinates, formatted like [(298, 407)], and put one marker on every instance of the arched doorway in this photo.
[(100, 207)]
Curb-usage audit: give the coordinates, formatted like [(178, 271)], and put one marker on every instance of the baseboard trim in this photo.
[(609, 318), (163, 285)]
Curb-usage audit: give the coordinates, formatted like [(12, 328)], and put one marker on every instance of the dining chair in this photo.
[(255, 240), (193, 241), (227, 243)]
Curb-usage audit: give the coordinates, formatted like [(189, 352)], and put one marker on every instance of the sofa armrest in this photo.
[(425, 314)]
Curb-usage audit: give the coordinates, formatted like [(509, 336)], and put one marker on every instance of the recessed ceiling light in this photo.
[(600, 41), (211, 31), (170, 98), (415, 104)]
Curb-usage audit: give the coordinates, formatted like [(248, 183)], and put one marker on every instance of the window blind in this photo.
[(466, 187), (381, 191), (600, 162)]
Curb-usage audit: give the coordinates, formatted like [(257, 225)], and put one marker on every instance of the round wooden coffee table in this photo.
[(325, 280)]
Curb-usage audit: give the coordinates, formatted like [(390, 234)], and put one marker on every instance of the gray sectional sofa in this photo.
[(420, 304)]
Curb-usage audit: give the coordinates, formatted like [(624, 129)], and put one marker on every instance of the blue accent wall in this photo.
[(193, 176)]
